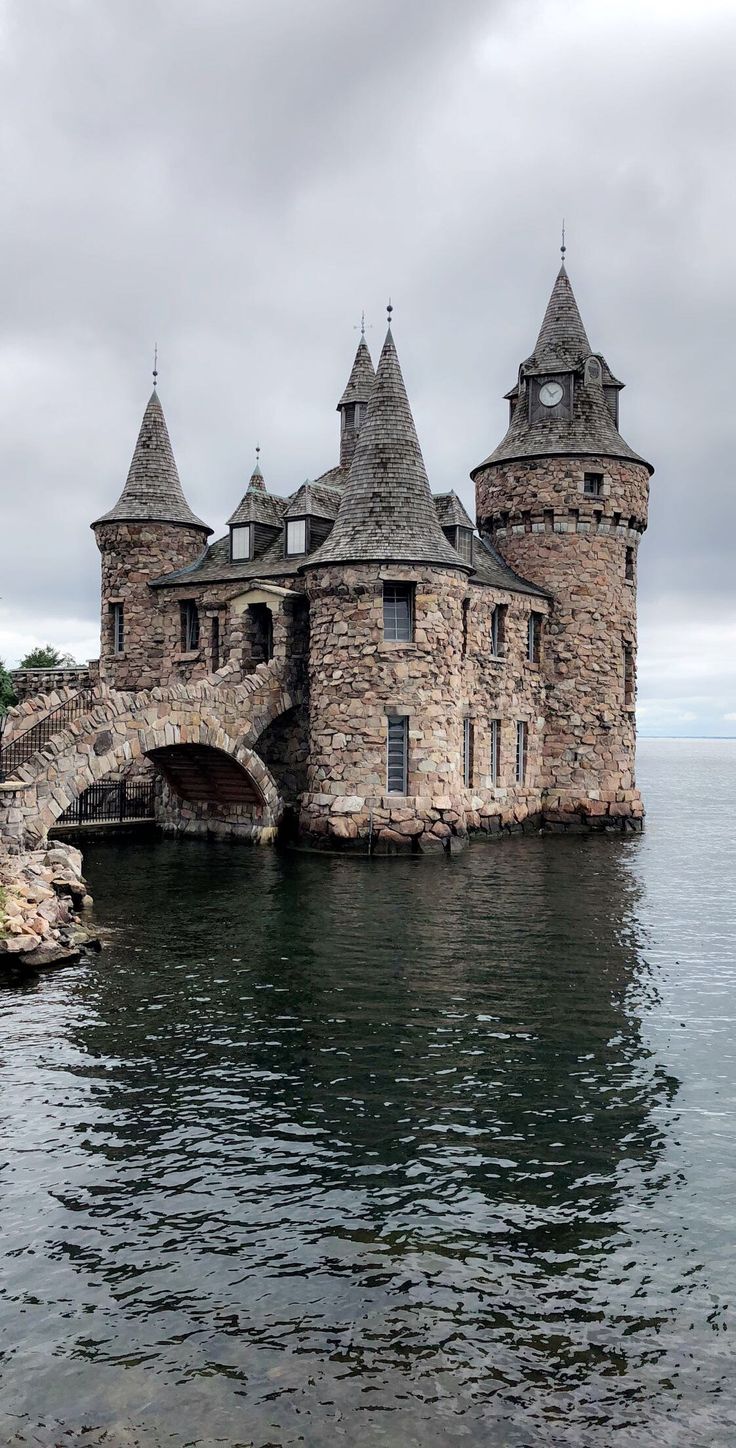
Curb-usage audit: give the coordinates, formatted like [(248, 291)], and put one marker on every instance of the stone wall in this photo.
[(580, 549), (132, 555), (357, 680)]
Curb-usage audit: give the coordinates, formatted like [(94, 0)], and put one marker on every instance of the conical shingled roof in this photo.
[(387, 512), (360, 382), (562, 346), (153, 491), (562, 342), (258, 505)]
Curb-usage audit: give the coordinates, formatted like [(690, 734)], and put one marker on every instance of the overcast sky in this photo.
[(237, 179)]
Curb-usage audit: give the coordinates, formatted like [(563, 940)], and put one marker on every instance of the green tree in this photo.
[(46, 657), (7, 697)]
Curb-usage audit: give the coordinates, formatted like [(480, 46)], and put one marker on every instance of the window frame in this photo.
[(464, 543), (117, 615), (468, 751), (495, 752), (295, 523), (596, 482), (191, 632), (498, 630), (241, 528), (534, 638), (522, 746), (397, 733), (629, 677), (629, 565), (403, 590)]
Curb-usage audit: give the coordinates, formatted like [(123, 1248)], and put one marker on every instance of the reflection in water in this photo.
[(372, 1150)]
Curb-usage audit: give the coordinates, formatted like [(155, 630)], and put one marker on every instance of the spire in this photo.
[(562, 344), (387, 511), (360, 382), (257, 483), (152, 490)]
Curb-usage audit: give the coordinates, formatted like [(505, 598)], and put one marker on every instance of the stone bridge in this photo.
[(201, 737)]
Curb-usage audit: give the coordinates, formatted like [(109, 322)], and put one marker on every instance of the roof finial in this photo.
[(563, 248), (389, 310), (258, 455), (155, 363)]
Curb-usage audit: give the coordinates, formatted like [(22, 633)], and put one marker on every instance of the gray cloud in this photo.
[(239, 180)]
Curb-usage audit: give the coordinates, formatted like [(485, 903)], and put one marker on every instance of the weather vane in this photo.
[(363, 327), (155, 364)]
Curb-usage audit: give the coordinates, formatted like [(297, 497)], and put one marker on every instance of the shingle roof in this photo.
[(562, 346), (318, 499), (387, 512), (360, 382), (153, 491), (562, 342), (258, 505), (215, 567), (450, 511)]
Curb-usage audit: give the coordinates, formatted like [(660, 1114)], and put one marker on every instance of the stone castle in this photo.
[(401, 678), (453, 680)]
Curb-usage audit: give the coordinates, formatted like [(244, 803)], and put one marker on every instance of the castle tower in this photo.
[(386, 592), (353, 404), (564, 499), (150, 531)]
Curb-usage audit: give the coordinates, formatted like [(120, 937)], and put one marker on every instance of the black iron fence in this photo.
[(112, 802), (25, 745)]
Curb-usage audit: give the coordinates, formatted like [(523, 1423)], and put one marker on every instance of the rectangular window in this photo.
[(398, 612), (215, 644), (629, 565), (117, 612), (629, 685), (296, 536), (189, 626), (593, 485), (495, 760), (468, 743), (464, 544), (397, 755), (241, 542), (534, 629), (498, 630), (520, 752)]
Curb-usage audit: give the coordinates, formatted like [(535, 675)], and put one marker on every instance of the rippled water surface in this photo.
[(384, 1152)]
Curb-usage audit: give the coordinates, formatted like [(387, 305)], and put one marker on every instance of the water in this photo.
[(384, 1153)]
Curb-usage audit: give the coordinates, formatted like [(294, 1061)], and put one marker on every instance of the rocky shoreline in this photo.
[(43, 897)]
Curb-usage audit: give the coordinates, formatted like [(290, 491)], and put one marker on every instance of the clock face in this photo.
[(550, 394)]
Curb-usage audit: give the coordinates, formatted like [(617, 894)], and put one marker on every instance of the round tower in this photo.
[(386, 597), (150, 531), (564, 500)]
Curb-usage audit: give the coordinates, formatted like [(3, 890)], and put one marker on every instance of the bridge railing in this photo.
[(23, 747), (112, 802)]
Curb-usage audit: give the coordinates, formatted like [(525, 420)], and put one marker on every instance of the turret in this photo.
[(353, 404), (150, 531), (386, 597), (564, 500)]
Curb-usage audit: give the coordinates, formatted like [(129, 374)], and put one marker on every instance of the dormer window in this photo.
[(241, 542), (464, 544), (296, 537)]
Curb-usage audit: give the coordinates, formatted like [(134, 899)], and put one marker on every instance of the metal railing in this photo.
[(25, 745), (112, 802)]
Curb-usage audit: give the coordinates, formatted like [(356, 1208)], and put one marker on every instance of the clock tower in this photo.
[(564, 500)]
